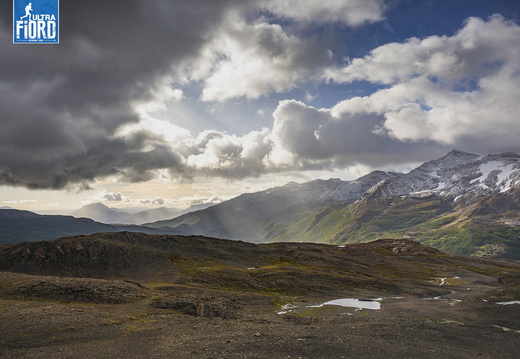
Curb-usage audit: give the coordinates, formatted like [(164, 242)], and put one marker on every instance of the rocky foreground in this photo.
[(130, 295)]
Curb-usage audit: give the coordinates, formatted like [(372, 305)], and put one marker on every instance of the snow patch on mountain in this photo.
[(497, 174), (457, 174)]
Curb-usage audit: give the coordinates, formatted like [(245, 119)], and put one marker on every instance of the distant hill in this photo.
[(149, 215), (397, 266), (101, 213), (19, 226), (132, 254), (461, 203)]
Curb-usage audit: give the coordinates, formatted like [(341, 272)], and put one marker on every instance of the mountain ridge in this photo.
[(461, 203), (99, 212), (19, 226), (447, 190)]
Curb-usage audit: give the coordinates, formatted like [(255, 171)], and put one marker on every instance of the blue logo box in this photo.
[(36, 22)]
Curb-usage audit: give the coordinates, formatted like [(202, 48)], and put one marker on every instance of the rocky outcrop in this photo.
[(71, 289), (209, 307)]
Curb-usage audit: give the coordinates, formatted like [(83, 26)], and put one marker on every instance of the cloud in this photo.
[(480, 49), (22, 201), (107, 196), (157, 201), (349, 12), (96, 105), (242, 51), (447, 89), (295, 128), (324, 138), (115, 197), (229, 156), (309, 97), (76, 112), (61, 106), (441, 92), (255, 58), (198, 199)]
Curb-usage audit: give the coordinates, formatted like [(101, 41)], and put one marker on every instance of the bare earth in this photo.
[(212, 309), (405, 327)]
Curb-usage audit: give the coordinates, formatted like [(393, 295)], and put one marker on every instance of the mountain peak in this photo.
[(458, 153), (96, 205), (509, 155), (100, 213)]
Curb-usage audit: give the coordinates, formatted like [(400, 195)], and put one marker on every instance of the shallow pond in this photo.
[(346, 306), (509, 303), (373, 304)]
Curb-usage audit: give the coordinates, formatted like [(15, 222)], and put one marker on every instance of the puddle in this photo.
[(449, 321), (451, 302), (509, 303), (506, 329), (432, 298), (372, 304), (345, 306)]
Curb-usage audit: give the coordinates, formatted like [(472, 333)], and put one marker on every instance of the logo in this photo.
[(36, 21)]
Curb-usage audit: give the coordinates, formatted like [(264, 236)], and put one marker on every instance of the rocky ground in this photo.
[(446, 307)]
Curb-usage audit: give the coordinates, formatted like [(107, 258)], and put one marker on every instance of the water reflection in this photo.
[(509, 303), (373, 304), (332, 307)]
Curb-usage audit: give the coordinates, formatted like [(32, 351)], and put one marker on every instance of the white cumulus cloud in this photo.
[(251, 60), (443, 88), (350, 12)]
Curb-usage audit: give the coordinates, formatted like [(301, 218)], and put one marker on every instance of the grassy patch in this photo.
[(131, 329)]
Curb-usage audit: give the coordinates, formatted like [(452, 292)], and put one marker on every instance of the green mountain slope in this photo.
[(490, 227), (461, 203)]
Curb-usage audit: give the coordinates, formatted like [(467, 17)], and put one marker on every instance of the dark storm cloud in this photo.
[(74, 112), (61, 104)]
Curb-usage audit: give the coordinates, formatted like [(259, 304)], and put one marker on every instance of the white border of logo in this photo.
[(15, 42)]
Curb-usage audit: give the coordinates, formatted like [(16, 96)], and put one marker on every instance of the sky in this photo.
[(148, 103)]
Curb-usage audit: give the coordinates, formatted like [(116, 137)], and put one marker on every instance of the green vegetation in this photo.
[(473, 238), (431, 221)]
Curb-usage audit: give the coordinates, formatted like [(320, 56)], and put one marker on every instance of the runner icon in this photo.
[(28, 10)]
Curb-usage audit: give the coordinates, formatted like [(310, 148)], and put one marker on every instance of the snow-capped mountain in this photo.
[(333, 190), (458, 174), (454, 175)]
